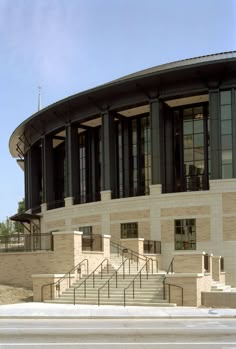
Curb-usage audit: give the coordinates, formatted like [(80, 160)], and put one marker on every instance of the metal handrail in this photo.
[(58, 282), (93, 275), (140, 281), (132, 253), (108, 281), (164, 280), (182, 292)]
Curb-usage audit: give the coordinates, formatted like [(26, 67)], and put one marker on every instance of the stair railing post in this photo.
[(116, 280), (98, 297), (133, 289), (124, 298), (74, 296), (69, 280), (108, 288), (129, 266), (140, 279)]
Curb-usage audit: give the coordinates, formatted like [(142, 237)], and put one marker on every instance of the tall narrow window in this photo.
[(145, 154), (226, 133), (195, 148)]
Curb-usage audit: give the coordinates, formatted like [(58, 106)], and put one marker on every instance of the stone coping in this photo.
[(191, 252), (52, 275), (67, 232), (93, 252), (180, 275), (133, 239)]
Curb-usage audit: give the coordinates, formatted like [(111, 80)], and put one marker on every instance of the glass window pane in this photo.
[(188, 141), (227, 171), (226, 127), (199, 167), (199, 153), (198, 140), (226, 157), (225, 111), (188, 155), (226, 142), (188, 127), (198, 126), (225, 97)]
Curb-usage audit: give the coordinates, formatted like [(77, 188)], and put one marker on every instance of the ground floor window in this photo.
[(129, 230), (185, 234)]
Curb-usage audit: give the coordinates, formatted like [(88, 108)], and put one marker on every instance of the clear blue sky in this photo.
[(67, 46)]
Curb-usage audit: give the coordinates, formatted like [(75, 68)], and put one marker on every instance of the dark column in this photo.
[(214, 117), (156, 140), (26, 176), (169, 169), (126, 154), (108, 153), (93, 171), (34, 174), (72, 161), (234, 130), (47, 170)]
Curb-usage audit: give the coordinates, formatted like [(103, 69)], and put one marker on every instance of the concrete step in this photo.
[(163, 303)]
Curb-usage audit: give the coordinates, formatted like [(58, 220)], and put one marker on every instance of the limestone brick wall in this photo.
[(188, 263), (95, 258), (219, 299), (214, 211), (44, 287), (17, 268)]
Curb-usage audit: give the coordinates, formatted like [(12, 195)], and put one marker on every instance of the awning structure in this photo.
[(33, 220)]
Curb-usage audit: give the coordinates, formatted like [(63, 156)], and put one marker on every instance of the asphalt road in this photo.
[(118, 333)]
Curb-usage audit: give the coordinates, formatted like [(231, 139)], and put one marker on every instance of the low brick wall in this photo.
[(219, 299)]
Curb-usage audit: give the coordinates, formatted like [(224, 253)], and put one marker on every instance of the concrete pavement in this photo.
[(69, 311)]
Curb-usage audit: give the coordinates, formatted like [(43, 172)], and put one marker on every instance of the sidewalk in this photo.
[(63, 311)]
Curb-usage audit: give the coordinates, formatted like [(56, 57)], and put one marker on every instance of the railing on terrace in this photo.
[(152, 247), (93, 242), (26, 243), (55, 204), (86, 198)]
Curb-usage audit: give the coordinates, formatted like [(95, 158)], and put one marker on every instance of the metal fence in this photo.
[(26, 243), (93, 242), (152, 247)]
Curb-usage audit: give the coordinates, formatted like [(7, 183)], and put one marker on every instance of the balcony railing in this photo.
[(93, 242), (26, 243), (152, 247)]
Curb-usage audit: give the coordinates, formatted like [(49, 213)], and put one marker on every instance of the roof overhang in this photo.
[(169, 71), (24, 217)]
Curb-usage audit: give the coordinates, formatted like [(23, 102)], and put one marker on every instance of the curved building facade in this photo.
[(151, 155)]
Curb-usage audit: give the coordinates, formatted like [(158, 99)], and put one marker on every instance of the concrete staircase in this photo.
[(221, 287), (149, 294)]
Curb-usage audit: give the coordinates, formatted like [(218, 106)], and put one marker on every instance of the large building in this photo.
[(151, 155)]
